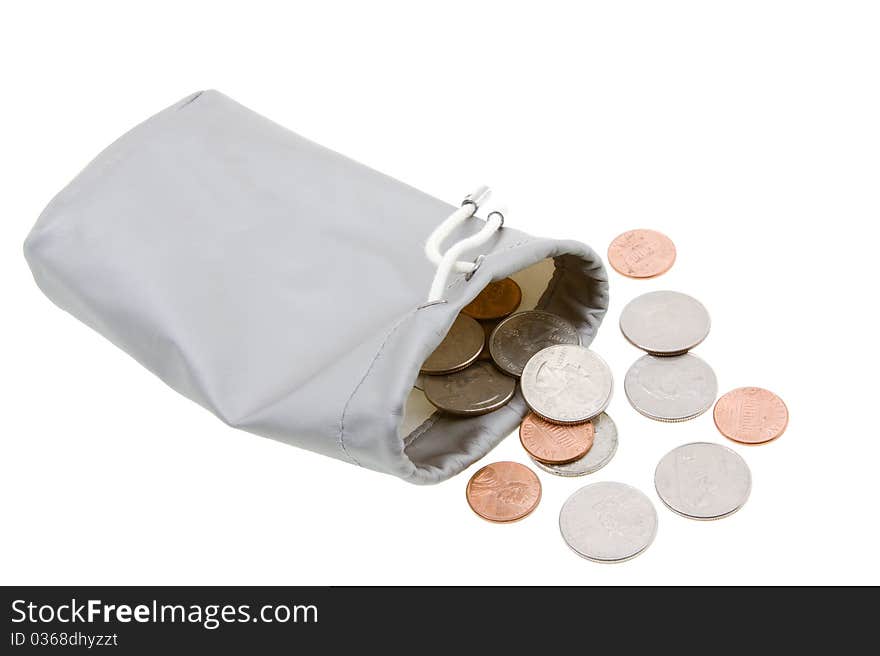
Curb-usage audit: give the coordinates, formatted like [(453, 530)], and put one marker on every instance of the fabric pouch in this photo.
[(282, 286)]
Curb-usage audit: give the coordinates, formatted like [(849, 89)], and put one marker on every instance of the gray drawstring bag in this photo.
[(283, 286)]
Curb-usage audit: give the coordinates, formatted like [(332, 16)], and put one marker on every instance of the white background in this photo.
[(749, 132)]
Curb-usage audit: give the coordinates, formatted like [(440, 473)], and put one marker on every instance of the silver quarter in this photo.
[(670, 388), (479, 389), (567, 384), (460, 347), (703, 481), (608, 522), (600, 454), (665, 323), (521, 335)]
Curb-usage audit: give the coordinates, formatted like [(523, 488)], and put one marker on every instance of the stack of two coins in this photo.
[(669, 384)]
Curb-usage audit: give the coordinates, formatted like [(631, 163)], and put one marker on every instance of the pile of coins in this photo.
[(475, 368), (567, 387), (457, 377)]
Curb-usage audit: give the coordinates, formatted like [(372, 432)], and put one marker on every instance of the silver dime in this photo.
[(703, 481), (671, 388), (665, 323), (608, 522), (479, 389), (567, 384), (600, 454), (459, 348), (521, 335)]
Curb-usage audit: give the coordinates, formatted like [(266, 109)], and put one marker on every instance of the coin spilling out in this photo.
[(665, 323), (608, 522), (641, 253), (672, 388), (503, 492), (567, 384), (459, 348), (488, 327), (751, 415), (479, 389), (497, 300), (523, 334), (555, 444), (599, 455), (703, 481)]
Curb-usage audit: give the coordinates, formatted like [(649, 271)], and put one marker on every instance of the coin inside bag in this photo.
[(448, 400)]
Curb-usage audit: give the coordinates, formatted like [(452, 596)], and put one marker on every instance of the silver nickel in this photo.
[(703, 481), (460, 347), (567, 384), (521, 335), (600, 454), (665, 323), (608, 522), (671, 388), (479, 389)]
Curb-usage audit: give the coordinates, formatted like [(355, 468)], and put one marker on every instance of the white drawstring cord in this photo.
[(469, 207), (449, 262)]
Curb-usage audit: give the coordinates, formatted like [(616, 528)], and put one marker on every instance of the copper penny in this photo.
[(641, 253), (503, 492), (497, 300), (751, 415), (555, 444)]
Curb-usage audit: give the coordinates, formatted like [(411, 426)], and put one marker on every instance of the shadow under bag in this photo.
[(282, 286)]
